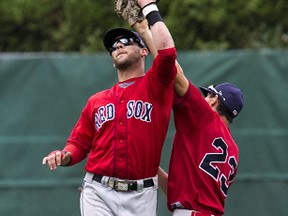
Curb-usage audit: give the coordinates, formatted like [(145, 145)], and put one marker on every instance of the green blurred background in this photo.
[(78, 25), (42, 95), (52, 60)]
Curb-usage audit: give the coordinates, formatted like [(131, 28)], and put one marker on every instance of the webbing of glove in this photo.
[(129, 10)]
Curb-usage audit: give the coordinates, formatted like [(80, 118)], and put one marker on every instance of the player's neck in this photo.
[(129, 75), (224, 119), (130, 72)]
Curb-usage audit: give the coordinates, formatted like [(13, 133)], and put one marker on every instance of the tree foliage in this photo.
[(215, 24), (78, 26)]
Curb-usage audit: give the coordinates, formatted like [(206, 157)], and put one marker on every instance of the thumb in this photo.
[(66, 158)]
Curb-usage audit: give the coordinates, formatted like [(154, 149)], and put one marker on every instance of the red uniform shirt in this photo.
[(204, 157), (123, 128)]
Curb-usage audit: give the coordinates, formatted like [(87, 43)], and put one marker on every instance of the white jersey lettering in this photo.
[(104, 114), (139, 110)]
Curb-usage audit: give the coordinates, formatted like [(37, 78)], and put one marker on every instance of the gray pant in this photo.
[(97, 199)]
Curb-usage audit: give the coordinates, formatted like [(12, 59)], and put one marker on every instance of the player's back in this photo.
[(204, 158)]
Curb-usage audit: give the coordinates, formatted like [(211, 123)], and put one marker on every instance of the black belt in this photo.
[(123, 185)]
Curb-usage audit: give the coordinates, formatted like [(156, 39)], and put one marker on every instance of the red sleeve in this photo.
[(161, 76), (164, 64), (180, 99), (80, 139), (192, 109)]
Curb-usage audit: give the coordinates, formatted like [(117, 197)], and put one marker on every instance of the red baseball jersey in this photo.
[(122, 129), (204, 157)]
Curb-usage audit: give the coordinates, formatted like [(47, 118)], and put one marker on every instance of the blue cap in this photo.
[(229, 94), (112, 35)]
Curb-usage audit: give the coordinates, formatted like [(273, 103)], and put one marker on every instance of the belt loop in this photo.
[(88, 177), (140, 185), (155, 180), (104, 181)]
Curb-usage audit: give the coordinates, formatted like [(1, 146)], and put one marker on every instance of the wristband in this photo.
[(149, 8), (154, 17)]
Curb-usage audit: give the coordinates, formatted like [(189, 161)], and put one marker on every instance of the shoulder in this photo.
[(192, 95), (98, 95)]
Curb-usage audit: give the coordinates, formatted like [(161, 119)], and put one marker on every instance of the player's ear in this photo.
[(144, 51), (214, 101)]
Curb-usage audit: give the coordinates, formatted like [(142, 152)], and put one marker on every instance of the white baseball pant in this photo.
[(97, 199)]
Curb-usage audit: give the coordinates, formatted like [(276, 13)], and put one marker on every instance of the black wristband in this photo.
[(154, 17)]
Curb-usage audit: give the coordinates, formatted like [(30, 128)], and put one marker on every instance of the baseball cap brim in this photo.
[(111, 36), (205, 90)]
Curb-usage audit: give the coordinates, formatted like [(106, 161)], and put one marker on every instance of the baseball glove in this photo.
[(129, 10)]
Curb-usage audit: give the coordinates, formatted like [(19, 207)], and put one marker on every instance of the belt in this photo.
[(123, 185)]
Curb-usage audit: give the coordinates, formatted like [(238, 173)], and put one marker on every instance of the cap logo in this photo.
[(220, 93), (216, 92), (235, 112), (213, 89)]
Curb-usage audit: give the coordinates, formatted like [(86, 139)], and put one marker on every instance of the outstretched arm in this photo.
[(160, 33), (181, 82)]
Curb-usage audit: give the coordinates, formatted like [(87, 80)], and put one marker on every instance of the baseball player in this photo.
[(204, 156), (121, 130)]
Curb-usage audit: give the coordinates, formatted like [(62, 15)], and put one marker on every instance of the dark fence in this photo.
[(42, 94)]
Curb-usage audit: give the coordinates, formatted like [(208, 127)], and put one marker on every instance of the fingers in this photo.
[(44, 160), (53, 160)]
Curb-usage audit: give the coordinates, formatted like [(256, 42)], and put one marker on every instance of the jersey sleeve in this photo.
[(80, 139), (192, 109), (164, 64), (161, 75)]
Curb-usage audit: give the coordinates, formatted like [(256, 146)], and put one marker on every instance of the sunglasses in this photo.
[(125, 41)]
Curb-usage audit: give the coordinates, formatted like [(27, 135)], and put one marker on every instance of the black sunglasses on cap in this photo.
[(125, 41)]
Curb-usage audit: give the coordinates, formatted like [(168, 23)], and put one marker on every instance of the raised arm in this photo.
[(160, 33), (181, 82), (152, 37)]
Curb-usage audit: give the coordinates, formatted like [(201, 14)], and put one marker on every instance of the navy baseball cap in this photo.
[(229, 94), (112, 35)]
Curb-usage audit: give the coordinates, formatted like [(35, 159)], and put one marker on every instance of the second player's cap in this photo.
[(112, 35), (229, 94)]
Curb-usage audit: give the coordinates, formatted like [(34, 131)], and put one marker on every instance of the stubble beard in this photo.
[(127, 62)]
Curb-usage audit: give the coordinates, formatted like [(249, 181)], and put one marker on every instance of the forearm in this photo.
[(181, 82), (162, 180), (160, 33), (161, 36)]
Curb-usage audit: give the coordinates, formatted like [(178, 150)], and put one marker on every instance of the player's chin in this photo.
[(122, 63)]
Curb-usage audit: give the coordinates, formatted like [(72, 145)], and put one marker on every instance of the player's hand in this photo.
[(57, 158), (142, 3)]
